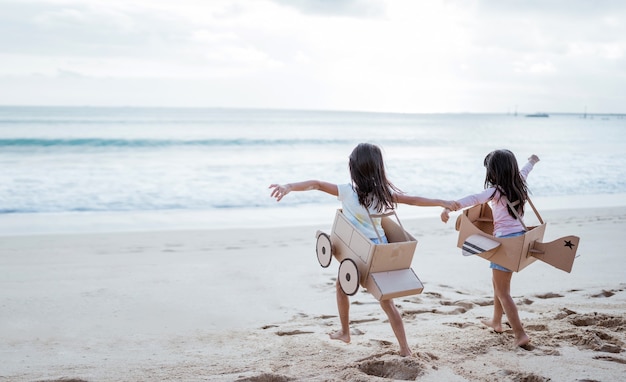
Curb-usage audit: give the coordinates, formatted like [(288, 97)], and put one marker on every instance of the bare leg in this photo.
[(343, 306), (496, 322), (502, 285), (395, 319)]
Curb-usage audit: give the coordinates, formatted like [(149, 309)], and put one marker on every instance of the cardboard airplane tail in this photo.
[(559, 253)]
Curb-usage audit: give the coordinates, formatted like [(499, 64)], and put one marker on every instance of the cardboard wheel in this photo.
[(348, 277), (324, 250)]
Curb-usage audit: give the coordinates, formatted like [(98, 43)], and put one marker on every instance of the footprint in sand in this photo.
[(383, 343), (413, 300), (614, 323), (548, 295), (266, 377), (411, 313), (591, 332), (292, 333), (483, 302), (460, 325), (405, 369), (461, 307), (552, 352), (361, 321), (564, 313), (609, 358), (604, 293), (433, 294), (537, 327), (463, 304), (326, 316), (459, 310), (527, 377)]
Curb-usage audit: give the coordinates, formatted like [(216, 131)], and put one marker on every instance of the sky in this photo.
[(403, 56)]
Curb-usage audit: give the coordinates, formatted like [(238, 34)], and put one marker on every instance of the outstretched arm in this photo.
[(426, 202), (467, 201), (280, 190)]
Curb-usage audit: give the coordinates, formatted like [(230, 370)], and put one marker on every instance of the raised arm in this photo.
[(280, 190)]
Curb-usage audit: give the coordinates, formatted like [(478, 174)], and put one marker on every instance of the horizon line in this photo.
[(508, 112)]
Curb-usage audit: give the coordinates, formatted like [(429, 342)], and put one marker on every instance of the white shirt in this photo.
[(356, 213)]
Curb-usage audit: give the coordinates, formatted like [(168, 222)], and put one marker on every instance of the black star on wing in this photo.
[(568, 243)]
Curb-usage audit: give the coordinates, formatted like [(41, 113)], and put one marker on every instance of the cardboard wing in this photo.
[(511, 253), (479, 244)]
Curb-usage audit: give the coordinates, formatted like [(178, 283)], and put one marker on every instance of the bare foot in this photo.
[(522, 340), (340, 336), (405, 352), (496, 327)]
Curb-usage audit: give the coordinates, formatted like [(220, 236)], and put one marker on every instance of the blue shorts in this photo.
[(499, 267), (384, 240)]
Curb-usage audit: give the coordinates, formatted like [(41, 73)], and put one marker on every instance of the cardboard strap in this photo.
[(392, 212), (535, 210), (512, 207)]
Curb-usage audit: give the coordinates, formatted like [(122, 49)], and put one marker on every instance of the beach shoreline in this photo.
[(281, 215), (253, 304)]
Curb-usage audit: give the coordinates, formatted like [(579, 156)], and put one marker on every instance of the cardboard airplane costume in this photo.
[(383, 269), (475, 226)]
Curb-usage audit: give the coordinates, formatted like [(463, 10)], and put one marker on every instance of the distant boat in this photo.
[(538, 115)]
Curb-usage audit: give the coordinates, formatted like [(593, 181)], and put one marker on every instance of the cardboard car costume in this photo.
[(383, 269)]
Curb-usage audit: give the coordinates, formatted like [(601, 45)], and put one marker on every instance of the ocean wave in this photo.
[(112, 142)]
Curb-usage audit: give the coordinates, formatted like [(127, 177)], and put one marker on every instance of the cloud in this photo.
[(68, 74), (396, 55), (81, 28), (346, 8)]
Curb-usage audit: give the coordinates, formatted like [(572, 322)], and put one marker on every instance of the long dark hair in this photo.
[(503, 174), (370, 183)]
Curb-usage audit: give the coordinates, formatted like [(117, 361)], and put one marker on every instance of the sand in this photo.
[(254, 305)]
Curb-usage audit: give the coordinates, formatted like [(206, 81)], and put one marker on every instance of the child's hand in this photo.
[(445, 215), (452, 205), (533, 159), (279, 191)]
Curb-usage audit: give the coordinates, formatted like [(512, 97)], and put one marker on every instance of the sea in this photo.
[(78, 169)]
